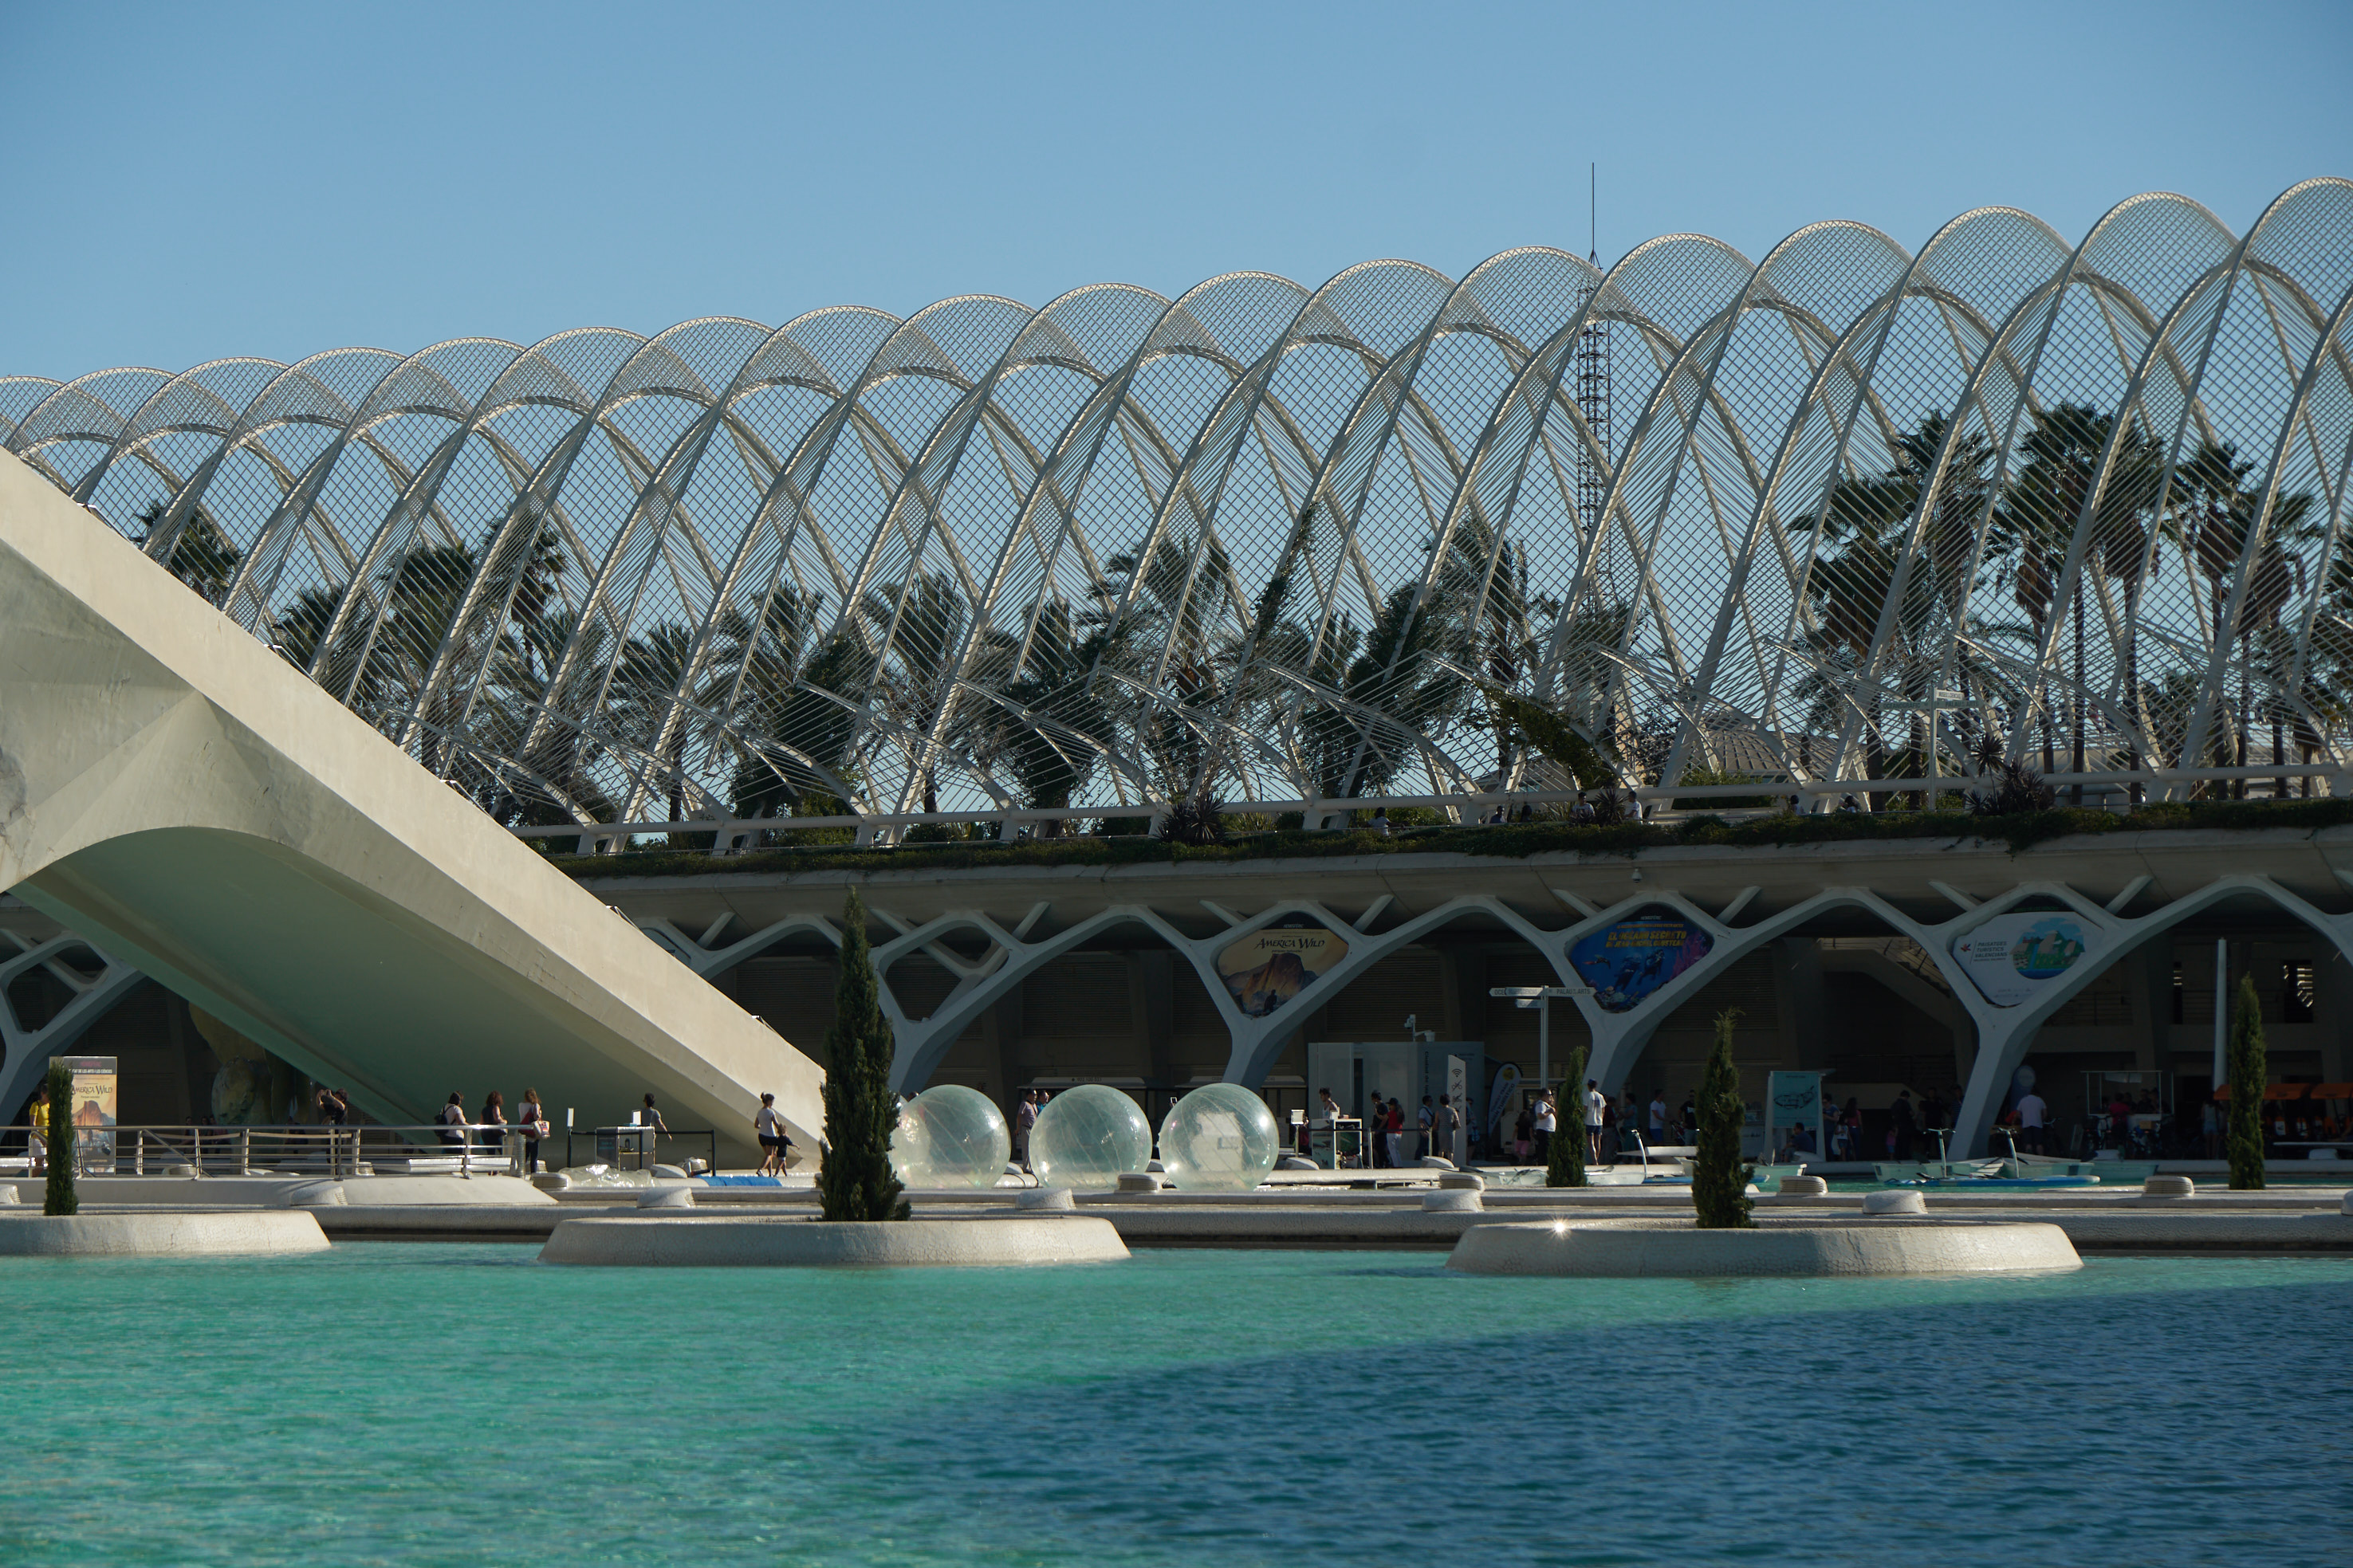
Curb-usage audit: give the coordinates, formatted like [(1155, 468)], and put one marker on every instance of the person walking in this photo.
[(1422, 1142), (492, 1122), (650, 1116), (1596, 1118), (36, 1135), (768, 1125), (452, 1120), (1547, 1121), (1393, 1131), (1523, 1127), (1932, 1114), (334, 1113), (1659, 1116), (1025, 1120), (1330, 1119), (1901, 1120), (1448, 1118), (531, 1120), (2031, 1114)]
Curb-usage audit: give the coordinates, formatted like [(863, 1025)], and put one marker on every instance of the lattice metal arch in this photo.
[(1869, 518)]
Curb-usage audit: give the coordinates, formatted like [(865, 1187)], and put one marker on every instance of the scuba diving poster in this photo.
[(1627, 961)]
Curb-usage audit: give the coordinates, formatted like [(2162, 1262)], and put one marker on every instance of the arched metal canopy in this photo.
[(1862, 515)]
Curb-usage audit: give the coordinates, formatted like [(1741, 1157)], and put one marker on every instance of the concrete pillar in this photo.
[(1464, 969), (1150, 1004), (2332, 1013), (2148, 991), (1799, 998), (1009, 1064)]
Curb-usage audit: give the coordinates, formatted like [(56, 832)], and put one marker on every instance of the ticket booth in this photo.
[(1359, 1071)]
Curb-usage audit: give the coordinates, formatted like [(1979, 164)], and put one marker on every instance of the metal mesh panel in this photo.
[(1850, 517)]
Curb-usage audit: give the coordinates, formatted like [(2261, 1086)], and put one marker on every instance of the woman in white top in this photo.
[(769, 1123)]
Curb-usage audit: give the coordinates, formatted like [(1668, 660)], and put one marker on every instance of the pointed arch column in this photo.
[(25, 1053)]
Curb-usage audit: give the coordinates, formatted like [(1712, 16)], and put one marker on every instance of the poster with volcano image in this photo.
[(1268, 967)]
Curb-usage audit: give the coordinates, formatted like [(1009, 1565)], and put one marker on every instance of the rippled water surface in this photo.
[(451, 1404)]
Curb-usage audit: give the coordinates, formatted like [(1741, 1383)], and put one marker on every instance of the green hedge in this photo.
[(1516, 841)]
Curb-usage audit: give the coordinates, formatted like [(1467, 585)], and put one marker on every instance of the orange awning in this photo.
[(2286, 1091), (2332, 1091)]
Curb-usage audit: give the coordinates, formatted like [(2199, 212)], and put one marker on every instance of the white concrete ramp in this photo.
[(179, 794)]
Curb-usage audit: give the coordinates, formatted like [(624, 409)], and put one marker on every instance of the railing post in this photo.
[(245, 1153)]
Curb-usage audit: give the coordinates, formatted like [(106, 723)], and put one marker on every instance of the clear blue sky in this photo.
[(195, 181)]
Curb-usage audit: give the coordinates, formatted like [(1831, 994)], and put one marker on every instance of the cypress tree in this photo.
[(2249, 1068), (855, 1181), (60, 1197), (1719, 1175), (1565, 1161)]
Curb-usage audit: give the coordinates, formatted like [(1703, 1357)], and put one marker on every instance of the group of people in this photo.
[(1435, 1123), (1602, 805), (1608, 1123), (490, 1128)]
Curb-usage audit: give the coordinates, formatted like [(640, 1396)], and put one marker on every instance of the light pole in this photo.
[(1540, 998)]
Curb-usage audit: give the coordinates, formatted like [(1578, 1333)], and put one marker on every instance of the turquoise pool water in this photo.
[(403, 1404)]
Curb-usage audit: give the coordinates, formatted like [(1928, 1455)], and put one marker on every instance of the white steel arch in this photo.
[(1868, 518)]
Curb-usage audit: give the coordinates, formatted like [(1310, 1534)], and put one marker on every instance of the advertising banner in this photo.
[(1507, 1083), (1792, 1100), (1627, 961), (92, 1103), (1267, 968), (2010, 957)]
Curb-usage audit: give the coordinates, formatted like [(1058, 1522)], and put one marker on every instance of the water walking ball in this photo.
[(1220, 1137), (950, 1136), (911, 1147), (1089, 1137)]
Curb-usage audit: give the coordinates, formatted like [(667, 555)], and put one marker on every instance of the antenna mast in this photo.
[(1593, 382)]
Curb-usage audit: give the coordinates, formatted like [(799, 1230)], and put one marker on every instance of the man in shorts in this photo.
[(2031, 1114)]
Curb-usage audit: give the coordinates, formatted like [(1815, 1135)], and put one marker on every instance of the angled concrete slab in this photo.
[(177, 792)]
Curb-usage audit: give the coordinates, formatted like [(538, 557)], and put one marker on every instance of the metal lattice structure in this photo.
[(1860, 515)]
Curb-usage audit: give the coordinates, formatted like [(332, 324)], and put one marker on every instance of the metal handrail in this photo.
[(297, 1148), (728, 828)]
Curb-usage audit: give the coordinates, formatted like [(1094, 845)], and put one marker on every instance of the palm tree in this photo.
[(916, 682), (202, 556), (645, 682), (791, 747), (1865, 532), (2220, 517), (2034, 527), (1390, 685), (1053, 704), (1169, 629)]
